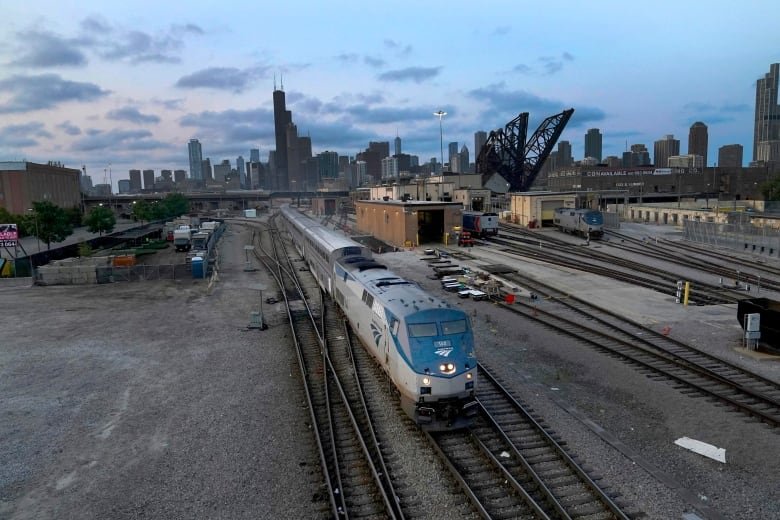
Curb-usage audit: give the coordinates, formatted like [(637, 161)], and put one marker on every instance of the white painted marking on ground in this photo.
[(702, 448)]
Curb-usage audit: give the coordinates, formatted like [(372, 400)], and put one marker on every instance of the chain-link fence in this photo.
[(738, 234)]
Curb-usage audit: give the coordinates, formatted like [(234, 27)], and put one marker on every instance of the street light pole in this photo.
[(441, 115), (37, 233), (110, 188)]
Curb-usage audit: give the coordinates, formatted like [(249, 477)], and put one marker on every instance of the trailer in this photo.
[(480, 224), (182, 238)]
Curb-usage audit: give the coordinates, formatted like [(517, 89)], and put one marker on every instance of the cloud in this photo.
[(170, 104), (374, 62), (585, 115), (125, 139), (46, 49), (69, 128), (132, 115), (399, 48), (710, 114), (548, 65), (95, 24), (190, 28), (348, 57), (45, 91), (416, 74), (21, 136), (140, 47), (505, 104), (553, 64), (114, 43), (222, 78), (522, 69), (232, 125)]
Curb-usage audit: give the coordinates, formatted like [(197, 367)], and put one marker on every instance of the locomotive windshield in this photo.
[(426, 330), (422, 330), (453, 327), (594, 217)]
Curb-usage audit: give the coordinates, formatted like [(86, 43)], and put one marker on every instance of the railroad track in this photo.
[(512, 467), (605, 265), (740, 270), (353, 470), (657, 355)]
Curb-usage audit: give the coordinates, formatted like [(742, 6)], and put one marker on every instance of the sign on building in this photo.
[(9, 234)]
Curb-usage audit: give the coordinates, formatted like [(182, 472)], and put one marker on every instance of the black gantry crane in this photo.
[(507, 152)]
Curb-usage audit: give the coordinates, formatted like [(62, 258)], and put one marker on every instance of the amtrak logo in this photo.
[(377, 334), (444, 351)]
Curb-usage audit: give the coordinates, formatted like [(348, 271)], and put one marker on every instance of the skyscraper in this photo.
[(135, 181), (452, 148), (767, 120), (480, 138), (697, 140), (222, 170), (564, 157), (241, 170), (593, 144), (148, 179), (397, 143), (730, 155), (665, 148), (464, 159), (380, 147), (205, 167), (282, 118), (254, 155), (196, 160)]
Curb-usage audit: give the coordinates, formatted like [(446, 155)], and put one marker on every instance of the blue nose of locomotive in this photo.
[(441, 342)]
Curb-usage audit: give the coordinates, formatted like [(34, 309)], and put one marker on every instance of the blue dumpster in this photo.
[(198, 267)]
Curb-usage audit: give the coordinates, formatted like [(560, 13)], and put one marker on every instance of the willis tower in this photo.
[(282, 118)]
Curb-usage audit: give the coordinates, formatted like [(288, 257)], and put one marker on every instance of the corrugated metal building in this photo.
[(408, 223)]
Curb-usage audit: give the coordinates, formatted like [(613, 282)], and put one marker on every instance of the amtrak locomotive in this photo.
[(583, 222), (425, 346)]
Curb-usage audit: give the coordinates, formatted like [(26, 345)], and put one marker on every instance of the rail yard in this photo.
[(161, 399)]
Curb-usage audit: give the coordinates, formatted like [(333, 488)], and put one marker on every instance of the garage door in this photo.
[(548, 209)]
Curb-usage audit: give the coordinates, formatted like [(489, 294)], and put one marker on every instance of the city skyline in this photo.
[(106, 86)]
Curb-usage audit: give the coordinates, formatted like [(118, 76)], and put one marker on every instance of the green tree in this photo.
[(6, 217), (157, 211), (142, 211), (175, 205), (51, 222), (74, 216), (771, 190), (100, 220)]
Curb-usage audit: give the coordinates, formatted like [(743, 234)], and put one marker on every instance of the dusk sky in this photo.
[(128, 84)]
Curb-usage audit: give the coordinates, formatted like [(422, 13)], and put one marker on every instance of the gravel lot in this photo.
[(152, 400), (155, 400)]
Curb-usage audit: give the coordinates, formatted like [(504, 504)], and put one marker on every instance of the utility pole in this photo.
[(441, 115)]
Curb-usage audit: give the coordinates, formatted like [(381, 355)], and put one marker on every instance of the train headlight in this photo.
[(426, 381), (469, 375), (447, 368)]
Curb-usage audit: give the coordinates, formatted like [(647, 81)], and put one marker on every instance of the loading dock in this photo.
[(408, 223)]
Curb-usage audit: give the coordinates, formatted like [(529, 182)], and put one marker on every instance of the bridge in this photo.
[(207, 201)]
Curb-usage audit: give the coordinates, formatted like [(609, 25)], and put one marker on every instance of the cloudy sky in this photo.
[(127, 84)]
